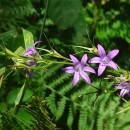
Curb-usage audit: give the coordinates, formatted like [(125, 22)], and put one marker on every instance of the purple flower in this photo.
[(125, 88), (28, 72), (104, 59), (79, 69), (31, 61), (31, 51)]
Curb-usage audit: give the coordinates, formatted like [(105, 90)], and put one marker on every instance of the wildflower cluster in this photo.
[(82, 68), (79, 68)]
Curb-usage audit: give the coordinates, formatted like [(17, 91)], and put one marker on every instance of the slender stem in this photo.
[(59, 62), (87, 93), (87, 48), (56, 62), (89, 38), (46, 9), (126, 109)]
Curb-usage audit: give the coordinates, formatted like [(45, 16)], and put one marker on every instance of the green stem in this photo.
[(59, 62), (2, 53), (46, 9), (87, 48), (55, 62)]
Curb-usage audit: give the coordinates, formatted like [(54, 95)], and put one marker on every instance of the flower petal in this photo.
[(112, 54), (123, 92), (31, 62), (95, 60), (112, 64), (89, 69), (69, 69), (36, 43), (75, 79), (119, 86), (30, 52), (129, 93), (101, 69), (85, 77), (101, 51), (74, 59), (28, 72), (84, 59)]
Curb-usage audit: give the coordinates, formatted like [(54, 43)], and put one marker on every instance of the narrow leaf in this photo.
[(20, 96)]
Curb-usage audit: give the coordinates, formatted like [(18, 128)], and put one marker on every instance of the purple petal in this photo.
[(28, 72), (84, 59), (69, 69), (95, 60), (89, 69), (29, 52), (112, 64), (85, 77), (119, 86), (101, 51), (129, 93), (112, 54), (101, 69), (36, 43), (123, 92), (75, 79), (74, 59), (31, 62)]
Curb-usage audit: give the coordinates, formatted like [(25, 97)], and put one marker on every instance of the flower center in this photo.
[(78, 67), (105, 60)]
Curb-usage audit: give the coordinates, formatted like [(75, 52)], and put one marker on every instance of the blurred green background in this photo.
[(67, 22)]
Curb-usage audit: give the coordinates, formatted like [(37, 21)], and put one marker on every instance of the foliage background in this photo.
[(50, 102)]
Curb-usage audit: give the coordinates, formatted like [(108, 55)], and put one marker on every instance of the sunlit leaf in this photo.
[(28, 38)]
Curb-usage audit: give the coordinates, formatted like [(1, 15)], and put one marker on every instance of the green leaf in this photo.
[(2, 71), (28, 38), (20, 51), (7, 35), (11, 97), (15, 38), (64, 12), (27, 95), (20, 95)]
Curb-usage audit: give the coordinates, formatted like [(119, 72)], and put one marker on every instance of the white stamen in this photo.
[(105, 60)]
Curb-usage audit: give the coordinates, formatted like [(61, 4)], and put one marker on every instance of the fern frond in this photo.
[(61, 108), (52, 103)]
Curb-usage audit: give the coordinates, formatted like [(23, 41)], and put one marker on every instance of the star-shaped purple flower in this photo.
[(104, 59), (30, 61), (79, 69)]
